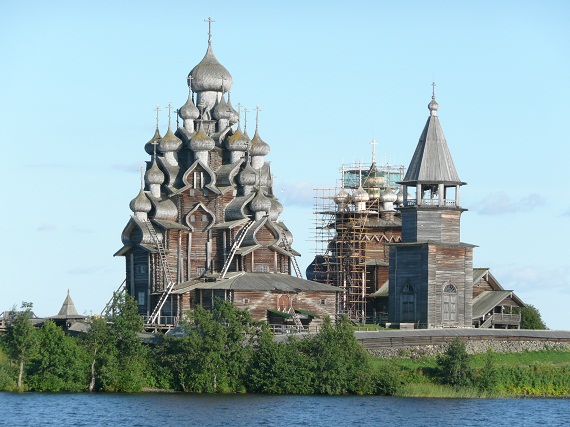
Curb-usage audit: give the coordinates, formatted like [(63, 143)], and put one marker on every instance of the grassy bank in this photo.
[(541, 373)]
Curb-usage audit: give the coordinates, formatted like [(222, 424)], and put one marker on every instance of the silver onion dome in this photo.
[(166, 210), (154, 175), (237, 142), (169, 142), (234, 116), (433, 106), (209, 74), (388, 195), (141, 203), (149, 146), (276, 209), (400, 197), (189, 111), (260, 203), (201, 142), (342, 197), (258, 146), (222, 110), (247, 176), (360, 195)]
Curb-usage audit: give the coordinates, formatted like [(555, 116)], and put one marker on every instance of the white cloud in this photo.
[(534, 278), (501, 203), (46, 226), (128, 167), (300, 193)]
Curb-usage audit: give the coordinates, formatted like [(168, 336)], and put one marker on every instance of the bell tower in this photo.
[(431, 271)]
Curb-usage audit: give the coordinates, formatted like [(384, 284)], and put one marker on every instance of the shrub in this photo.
[(453, 364)]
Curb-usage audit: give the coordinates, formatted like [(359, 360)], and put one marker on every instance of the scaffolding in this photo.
[(345, 217)]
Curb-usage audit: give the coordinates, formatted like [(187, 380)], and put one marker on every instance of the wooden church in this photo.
[(395, 249), (205, 222)]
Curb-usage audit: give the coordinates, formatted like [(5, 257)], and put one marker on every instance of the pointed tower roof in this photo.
[(432, 162), (68, 308)]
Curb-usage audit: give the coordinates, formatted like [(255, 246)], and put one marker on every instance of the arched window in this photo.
[(408, 304), (449, 301)]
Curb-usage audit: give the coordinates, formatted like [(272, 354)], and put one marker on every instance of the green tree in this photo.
[(21, 338), (97, 345), (8, 373), (488, 378), (281, 367), (59, 363), (213, 353), (531, 318), (341, 363), (123, 363), (453, 364)]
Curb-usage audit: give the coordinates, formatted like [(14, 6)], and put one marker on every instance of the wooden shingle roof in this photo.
[(432, 162)]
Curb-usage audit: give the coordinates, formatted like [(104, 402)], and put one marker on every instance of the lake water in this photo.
[(150, 409)]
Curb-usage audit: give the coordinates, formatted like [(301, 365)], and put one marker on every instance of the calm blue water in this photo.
[(32, 409)]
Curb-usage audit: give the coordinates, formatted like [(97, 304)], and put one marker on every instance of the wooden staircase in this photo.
[(120, 290), (167, 274), (238, 241), (293, 259)]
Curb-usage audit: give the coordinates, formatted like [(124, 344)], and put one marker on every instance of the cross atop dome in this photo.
[(209, 21)]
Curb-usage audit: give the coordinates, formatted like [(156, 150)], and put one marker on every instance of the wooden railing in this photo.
[(293, 329)]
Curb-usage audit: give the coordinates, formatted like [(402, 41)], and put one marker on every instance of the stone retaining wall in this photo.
[(472, 346)]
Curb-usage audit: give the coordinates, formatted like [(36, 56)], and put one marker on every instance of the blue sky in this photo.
[(79, 81)]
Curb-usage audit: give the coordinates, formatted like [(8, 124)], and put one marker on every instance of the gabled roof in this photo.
[(488, 300), (432, 162), (259, 282)]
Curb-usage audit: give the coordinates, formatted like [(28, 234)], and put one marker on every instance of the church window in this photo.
[(198, 179), (191, 192), (141, 298), (263, 268), (192, 218), (323, 301), (449, 302), (246, 300), (141, 269), (408, 304), (204, 218)]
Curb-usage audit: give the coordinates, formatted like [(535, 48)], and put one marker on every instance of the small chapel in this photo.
[(206, 223)]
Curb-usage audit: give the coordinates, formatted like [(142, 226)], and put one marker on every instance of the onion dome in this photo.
[(189, 111), (276, 209), (258, 146), (375, 181), (342, 197), (247, 175), (360, 195), (234, 114), (400, 197), (433, 106), (154, 175), (222, 110), (209, 74), (149, 146), (388, 195), (166, 210), (238, 141), (201, 142), (169, 142), (260, 203), (141, 203)]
